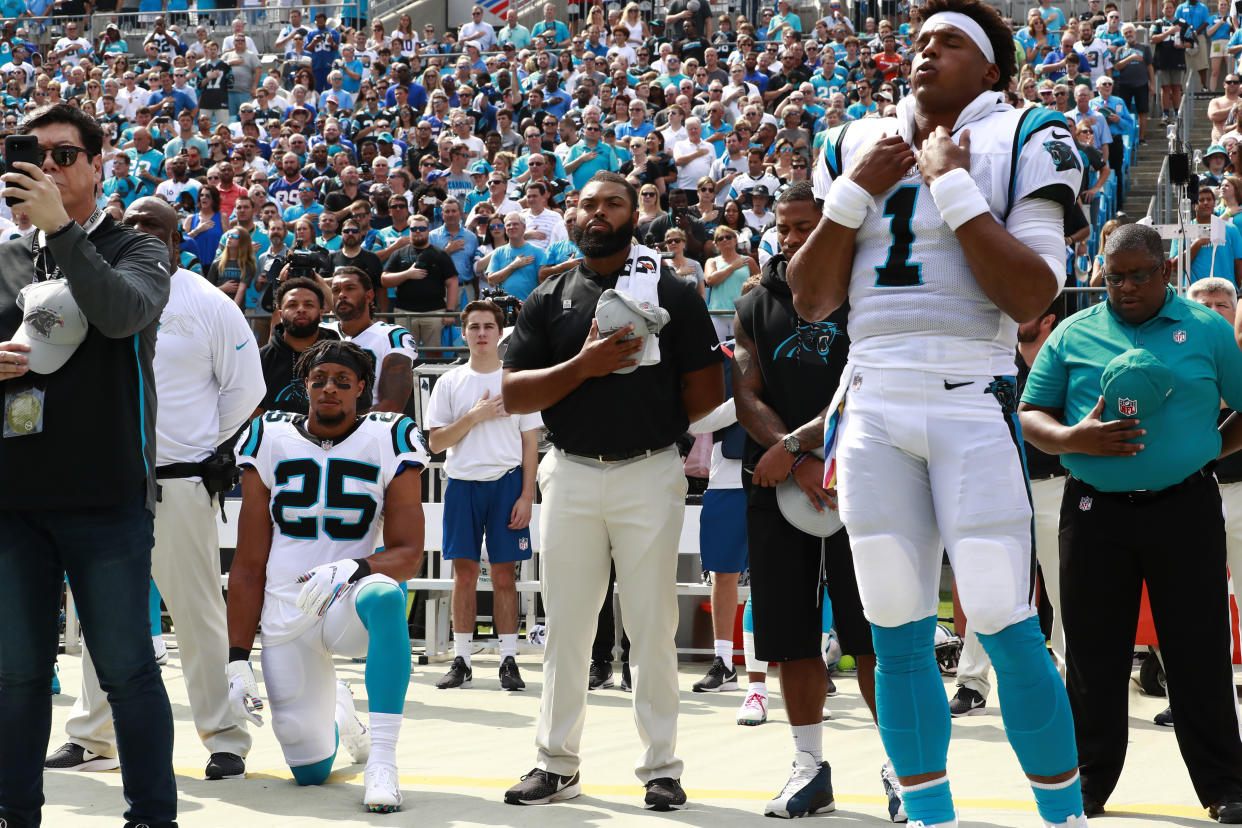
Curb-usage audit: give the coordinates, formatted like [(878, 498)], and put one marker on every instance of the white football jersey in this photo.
[(380, 340), (914, 302), (327, 498)]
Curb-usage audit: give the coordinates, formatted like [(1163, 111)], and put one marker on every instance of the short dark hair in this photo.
[(1135, 237), (298, 282), (483, 305), (617, 178), (999, 35), (358, 273), (62, 113), (798, 191)]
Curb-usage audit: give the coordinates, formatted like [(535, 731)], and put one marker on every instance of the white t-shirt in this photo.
[(206, 368), (490, 449), (549, 222), (688, 175)]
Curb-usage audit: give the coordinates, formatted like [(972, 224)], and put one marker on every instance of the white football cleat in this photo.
[(754, 710), (383, 784), (352, 732)]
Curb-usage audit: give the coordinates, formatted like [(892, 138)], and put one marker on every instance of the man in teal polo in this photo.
[(1128, 393)]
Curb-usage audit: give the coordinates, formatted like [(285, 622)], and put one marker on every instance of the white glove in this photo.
[(323, 585), (244, 699)]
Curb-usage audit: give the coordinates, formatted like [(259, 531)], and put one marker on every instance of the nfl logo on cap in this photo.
[(1127, 407)]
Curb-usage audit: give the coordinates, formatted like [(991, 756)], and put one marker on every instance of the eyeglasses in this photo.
[(674, 241), (65, 155), (726, 237), (1061, 94), (1118, 279), (707, 189), (350, 231), (649, 195), (1232, 82), (398, 205), (799, 166)]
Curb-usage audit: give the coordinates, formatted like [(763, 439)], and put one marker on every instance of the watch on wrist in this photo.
[(792, 444)]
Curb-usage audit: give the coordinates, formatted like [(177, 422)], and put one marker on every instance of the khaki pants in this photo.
[(974, 665), (185, 563), (593, 515), (1231, 496), (425, 329)]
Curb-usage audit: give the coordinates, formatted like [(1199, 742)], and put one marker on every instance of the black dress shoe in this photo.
[(1091, 807), (1228, 812)]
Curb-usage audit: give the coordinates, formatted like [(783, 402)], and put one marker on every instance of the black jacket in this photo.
[(277, 357), (97, 447)]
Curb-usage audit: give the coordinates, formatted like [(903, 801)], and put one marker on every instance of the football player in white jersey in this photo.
[(315, 492), (391, 347), (943, 228)]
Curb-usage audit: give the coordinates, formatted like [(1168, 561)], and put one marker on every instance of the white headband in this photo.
[(968, 27)]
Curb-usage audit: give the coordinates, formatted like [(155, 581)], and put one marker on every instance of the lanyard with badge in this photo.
[(24, 397)]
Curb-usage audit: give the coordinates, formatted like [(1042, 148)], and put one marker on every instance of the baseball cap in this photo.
[(760, 189), (797, 509), (616, 309), (384, 137), (52, 324), (1215, 149), (1135, 383), (479, 168)]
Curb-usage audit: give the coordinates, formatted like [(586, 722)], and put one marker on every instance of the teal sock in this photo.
[(933, 804), (381, 606)]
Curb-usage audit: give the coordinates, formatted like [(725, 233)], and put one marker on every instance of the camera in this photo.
[(509, 304), (307, 263)]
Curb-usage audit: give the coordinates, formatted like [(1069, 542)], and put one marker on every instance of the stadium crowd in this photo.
[(343, 157)]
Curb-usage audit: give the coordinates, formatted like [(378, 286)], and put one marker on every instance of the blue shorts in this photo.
[(722, 530), (473, 508)]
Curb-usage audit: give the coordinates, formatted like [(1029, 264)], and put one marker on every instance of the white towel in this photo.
[(641, 274)]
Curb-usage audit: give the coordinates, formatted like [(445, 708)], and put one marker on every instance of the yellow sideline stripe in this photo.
[(492, 783)]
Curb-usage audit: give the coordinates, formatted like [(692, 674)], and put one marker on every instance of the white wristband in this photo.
[(958, 198), (847, 203)]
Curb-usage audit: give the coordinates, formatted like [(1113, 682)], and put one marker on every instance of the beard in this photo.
[(349, 314), (301, 331), (597, 244), (330, 420)]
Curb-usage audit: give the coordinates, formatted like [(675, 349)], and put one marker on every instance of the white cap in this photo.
[(796, 508), (616, 309), (52, 324)]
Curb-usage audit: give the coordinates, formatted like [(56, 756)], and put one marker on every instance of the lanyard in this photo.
[(37, 246)]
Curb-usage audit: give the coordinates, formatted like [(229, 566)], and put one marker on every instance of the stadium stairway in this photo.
[(1146, 167)]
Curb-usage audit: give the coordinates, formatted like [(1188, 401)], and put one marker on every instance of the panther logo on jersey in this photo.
[(1062, 156), (42, 321), (809, 340)]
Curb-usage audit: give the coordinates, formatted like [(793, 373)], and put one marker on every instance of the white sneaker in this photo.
[(161, 649), (808, 791), (353, 733), (754, 710), (1079, 821), (892, 790), (383, 785), (918, 823)]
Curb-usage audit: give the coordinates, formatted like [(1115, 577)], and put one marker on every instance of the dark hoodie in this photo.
[(278, 357), (801, 362)]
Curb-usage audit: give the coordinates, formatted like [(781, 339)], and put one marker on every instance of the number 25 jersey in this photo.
[(914, 302), (327, 498)]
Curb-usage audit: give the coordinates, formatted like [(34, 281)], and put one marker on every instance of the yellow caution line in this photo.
[(492, 783)]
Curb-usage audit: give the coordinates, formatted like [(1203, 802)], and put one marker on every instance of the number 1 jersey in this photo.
[(914, 302), (327, 498)]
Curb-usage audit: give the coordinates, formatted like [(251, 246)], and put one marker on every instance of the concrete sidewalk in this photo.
[(460, 750)]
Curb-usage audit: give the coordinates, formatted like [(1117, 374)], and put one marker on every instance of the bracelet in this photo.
[(847, 203), (801, 459), (958, 198), (239, 654)]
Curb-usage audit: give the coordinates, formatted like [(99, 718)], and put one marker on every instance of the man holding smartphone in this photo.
[(80, 301)]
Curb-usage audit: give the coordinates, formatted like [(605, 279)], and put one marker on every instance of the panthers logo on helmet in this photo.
[(948, 650), (43, 320), (1062, 156), (645, 264)]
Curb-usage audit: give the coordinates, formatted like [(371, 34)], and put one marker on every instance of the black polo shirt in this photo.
[(429, 293), (619, 412)]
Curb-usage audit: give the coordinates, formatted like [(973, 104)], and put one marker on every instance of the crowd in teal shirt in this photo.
[(1195, 343)]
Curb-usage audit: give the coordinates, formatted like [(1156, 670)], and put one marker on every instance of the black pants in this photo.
[(1109, 545)]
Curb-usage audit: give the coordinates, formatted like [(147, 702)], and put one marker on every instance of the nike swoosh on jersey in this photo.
[(949, 386), (1060, 137), (239, 347)]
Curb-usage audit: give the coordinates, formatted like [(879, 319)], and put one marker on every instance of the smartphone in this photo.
[(19, 148)]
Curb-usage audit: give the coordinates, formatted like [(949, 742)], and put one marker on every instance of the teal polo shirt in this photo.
[(1198, 347)]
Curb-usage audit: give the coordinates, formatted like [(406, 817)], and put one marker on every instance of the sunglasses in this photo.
[(418, 228), (65, 155), (398, 205), (649, 195)]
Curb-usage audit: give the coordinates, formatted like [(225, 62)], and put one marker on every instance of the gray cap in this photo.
[(52, 324), (616, 309)]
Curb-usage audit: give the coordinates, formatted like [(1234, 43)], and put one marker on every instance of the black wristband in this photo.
[(239, 654), (363, 570)]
